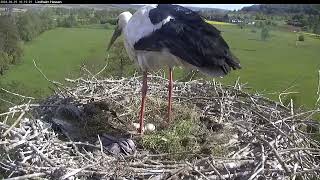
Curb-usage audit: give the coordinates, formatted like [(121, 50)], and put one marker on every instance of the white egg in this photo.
[(136, 125), (149, 127)]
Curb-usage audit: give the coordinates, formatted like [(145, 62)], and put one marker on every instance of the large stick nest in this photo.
[(232, 135)]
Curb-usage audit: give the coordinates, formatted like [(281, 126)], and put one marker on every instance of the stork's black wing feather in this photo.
[(188, 37)]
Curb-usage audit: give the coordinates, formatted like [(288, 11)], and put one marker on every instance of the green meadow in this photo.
[(276, 64), (268, 66), (58, 53)]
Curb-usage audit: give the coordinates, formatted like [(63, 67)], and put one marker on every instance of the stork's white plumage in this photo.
[(170, 35)]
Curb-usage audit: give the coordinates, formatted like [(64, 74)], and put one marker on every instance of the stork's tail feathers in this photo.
[(231, 62)]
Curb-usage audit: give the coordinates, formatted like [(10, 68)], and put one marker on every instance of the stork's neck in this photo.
[(124, 25), (124, 19)]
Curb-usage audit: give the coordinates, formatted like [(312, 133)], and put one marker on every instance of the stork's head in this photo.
[(122, 21)]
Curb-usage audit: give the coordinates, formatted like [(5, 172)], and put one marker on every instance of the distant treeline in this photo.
[(84, 16), (10, 46), (16, 28), (281, 9), (310, 23), (306, 16)]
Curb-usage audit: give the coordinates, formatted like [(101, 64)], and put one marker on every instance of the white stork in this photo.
[(164, 35)]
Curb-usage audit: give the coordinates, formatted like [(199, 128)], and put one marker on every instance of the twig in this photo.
[(318, 89), (215, 170), (75, 171), (15, 122), (9, 102), (53, 82), (16, 94), (200, 173), (41, 154), (27, 176), (107, 63)]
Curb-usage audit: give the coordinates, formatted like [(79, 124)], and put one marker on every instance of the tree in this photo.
[(265, 33), (241, 24), (61, 11), (4, 62), (93, 20), (123, 66), (122, 56), (29, 25), (32, 23), (83, 13), (47, 21), (226, 18), (2, 39), (60, 21), (316, 28), (301, 37), (10, 38), (71, 21), (26, 30)]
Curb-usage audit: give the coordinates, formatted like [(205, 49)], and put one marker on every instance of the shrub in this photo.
[(4, 62), (119, 64), (305, 28), (93, 20), (112, 21), (241, 25), (108, 26), (265, 33), (300, 37)]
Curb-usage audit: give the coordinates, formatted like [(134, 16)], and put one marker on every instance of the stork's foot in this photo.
[(169, 118), (170, 96), (141, 124), (143, 101)]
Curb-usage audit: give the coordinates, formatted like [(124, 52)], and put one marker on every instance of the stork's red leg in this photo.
[(144, 94), (170, 95)]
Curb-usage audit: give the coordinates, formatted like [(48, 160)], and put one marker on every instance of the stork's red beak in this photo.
[(116, 34)]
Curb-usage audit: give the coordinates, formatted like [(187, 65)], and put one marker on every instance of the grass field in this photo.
[(268, 66), (59, 53), (276, 64), (219, 23)]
